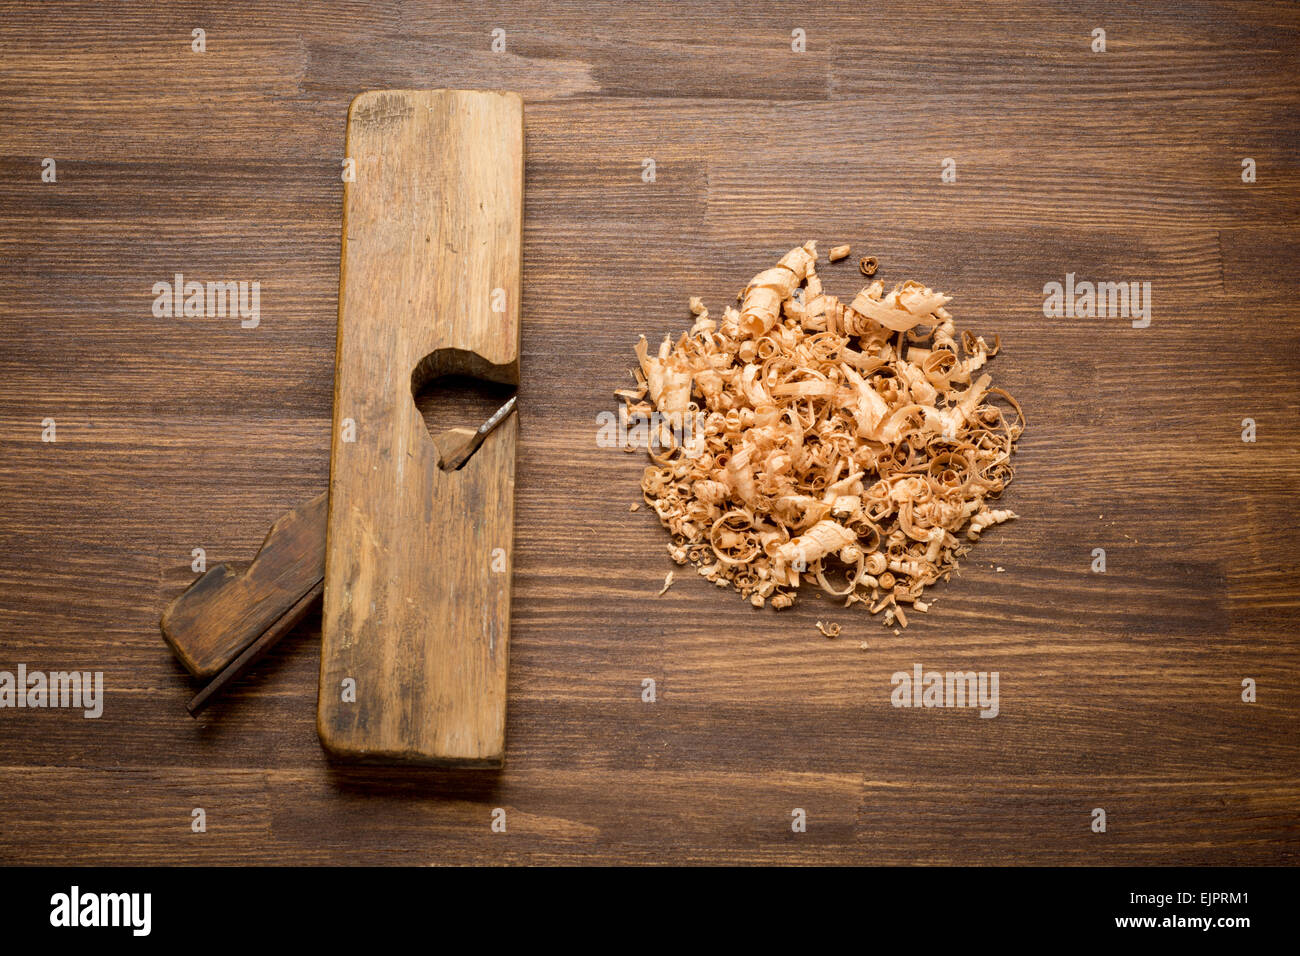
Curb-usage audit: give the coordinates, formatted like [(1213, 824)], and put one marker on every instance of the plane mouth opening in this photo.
[(457, 392)]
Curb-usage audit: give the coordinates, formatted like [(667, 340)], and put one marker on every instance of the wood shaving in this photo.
[(838, 252), (636, 505), (829, 629), (987, 520), (899, 616), (668, 582), (867, 265), (847, 446)]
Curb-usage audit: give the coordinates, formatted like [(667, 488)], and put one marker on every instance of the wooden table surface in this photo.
[(1120, 691)]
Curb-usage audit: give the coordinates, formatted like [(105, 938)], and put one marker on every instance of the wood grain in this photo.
[(1120, 690), (417, 582)]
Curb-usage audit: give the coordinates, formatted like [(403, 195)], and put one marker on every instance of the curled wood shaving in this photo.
[(867, 265), (847, 446), (838, 252), (829, 629), (986, 520)]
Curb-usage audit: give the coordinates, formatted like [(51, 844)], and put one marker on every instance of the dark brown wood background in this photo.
[(1120, 691)]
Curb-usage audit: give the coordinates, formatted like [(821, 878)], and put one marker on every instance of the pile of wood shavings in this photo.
[(803, 438)]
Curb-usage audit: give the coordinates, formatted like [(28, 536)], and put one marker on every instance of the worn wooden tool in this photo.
[(226, 610), (417, 583), (258, 648), (216, 627)]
